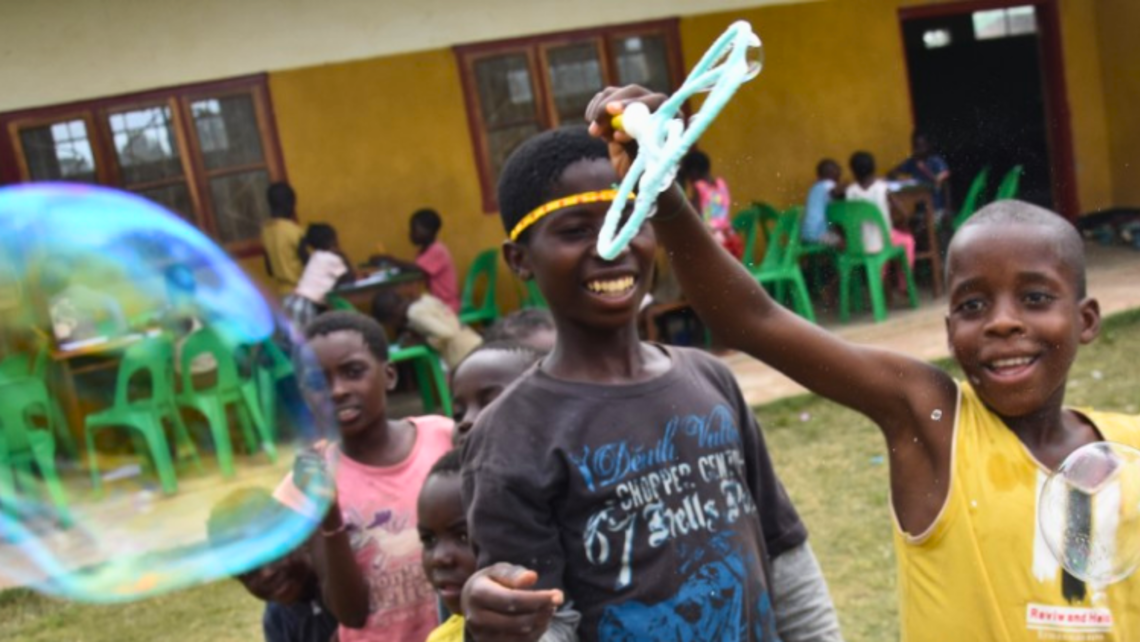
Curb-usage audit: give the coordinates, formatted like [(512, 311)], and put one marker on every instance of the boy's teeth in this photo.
[(1012, 363), (611, 286)]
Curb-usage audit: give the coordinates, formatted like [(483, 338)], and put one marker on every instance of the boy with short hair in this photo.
[(630, 475), (281, 236), (426, 319), (366, 549), (826, 188), (967, 459)]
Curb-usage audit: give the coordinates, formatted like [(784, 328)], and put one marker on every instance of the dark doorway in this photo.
[(978, 89)]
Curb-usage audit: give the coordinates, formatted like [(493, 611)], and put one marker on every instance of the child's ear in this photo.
[(518, 259), (1090, 319), (393, 377)]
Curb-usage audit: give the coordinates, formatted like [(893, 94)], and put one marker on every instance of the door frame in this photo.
[(1058, 116)]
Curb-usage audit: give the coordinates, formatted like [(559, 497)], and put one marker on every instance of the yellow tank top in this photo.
[(982, 570)]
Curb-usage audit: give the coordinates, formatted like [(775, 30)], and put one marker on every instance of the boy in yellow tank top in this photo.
[(966, 459)]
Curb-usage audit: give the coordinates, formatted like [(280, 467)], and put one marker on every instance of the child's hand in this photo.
[(311, 476), (611, 102), (498, 604)]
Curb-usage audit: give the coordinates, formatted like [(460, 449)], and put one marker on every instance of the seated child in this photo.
[(967, 458), (928, 168), (531, 326), (426, 319), (815, 227), (867, 187), (434, 259), (630, 476), (326, 267), (281, 236), (294, 611), (366, 551), (483, 376), (712, 199)]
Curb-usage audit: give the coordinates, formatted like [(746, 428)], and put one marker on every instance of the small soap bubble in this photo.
[(1089, 513), (1097, 374), (126, 325), (937, 414)]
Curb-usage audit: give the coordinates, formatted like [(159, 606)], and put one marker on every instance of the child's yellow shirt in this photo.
[(982, 571), (449, 631)]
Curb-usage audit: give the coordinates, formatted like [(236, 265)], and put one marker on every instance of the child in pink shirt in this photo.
[(434, 258), (367, 551)]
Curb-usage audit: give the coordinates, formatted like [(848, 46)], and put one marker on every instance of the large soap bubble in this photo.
[(1089, 513), (146, 388)]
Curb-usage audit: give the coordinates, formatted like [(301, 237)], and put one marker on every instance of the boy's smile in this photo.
[(1016, 317), (561, 254)]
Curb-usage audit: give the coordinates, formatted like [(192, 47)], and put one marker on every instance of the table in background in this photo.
[(909, 198), (409, 284)]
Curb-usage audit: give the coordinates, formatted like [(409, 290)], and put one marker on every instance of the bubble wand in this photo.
[(663, 139)]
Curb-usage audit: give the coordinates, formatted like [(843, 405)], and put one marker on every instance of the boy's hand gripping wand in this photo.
[(663, 139)]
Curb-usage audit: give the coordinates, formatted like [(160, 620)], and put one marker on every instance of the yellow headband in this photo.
[(605, 195)]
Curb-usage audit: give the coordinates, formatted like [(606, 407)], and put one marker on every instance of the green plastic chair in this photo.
[(746, 223), (850, 216), (153, 357), (336, 302), (429, 375), (781, 264), (260, 391), (226, 391), (973, 199), (486, 264), (1009, 185), (532, 296), (22, 443)]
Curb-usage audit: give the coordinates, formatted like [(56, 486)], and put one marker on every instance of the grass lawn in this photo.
[(829, 458)]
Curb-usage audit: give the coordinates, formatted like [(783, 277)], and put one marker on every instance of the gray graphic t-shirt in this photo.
[(653, 505)]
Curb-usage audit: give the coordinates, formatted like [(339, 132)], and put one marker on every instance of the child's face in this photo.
[(285, 581), (478, 381), (832, 172), (357, 381), (1015, 319), (447, 556), (419, 235), (562, 256)]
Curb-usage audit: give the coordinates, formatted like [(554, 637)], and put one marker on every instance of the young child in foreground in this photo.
[(630, 476), (967, 459), (294, 611), (366, 549), (484, 375)]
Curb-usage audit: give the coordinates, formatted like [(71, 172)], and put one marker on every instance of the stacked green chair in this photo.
[(225, 392), (429, 376), (260, 391), (22, 443), (336, 302), (18, 366), (144, 417), (850, 216), (973, 200), (781, 264), (532, 296), (1008, 188), (747, 223), (485, 266)]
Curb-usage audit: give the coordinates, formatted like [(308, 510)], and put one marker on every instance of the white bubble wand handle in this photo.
[(662, 139)]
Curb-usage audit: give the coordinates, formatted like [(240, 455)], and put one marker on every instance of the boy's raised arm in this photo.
[(883, 385)]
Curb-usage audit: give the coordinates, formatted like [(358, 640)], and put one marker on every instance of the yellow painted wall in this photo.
[(1118, 23), (367, 143), (1086, 87)]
